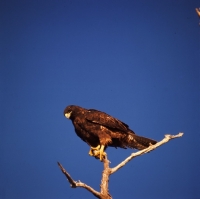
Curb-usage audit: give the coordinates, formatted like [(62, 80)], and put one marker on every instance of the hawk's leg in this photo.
[(102, 153), (93, 150)]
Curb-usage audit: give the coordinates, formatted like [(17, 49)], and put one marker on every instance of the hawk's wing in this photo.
[(106, 120)]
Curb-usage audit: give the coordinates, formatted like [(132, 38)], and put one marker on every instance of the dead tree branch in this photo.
[(147, 150), (75, 184), (104, 192), (198, 11), (105, 180)]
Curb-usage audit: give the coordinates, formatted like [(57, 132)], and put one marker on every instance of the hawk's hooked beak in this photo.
[(67, 115)]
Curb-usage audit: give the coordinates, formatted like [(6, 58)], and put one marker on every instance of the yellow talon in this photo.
[(102, 153), (98, 152), (90, 152), (93, 149)]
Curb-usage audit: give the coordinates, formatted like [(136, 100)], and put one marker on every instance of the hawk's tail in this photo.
[(138, 142)]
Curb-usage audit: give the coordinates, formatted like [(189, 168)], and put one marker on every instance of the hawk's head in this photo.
[(71, 111), (68, 111)]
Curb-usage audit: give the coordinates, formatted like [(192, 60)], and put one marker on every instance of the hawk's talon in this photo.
[(97, 155), (98, 152), (93, 149)]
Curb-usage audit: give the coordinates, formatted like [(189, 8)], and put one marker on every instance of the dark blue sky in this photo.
[(136, 60)]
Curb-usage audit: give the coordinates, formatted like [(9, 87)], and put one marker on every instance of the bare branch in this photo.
[(198, 11), (75, 184), (71, 181), (105, 180), (104, 193), (150, 148)]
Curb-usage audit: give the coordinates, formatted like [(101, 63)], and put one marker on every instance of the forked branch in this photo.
[(104, 193), (75, 184)]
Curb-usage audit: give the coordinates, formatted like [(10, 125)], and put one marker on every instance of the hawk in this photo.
[(100, 130)]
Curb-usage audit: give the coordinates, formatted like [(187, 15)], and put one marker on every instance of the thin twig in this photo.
[(198, 11), (150, 148), (75, 184)]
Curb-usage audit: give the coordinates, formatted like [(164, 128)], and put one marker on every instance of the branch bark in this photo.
[(105, 180), (104, 191)]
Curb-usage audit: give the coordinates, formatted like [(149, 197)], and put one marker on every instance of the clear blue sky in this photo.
[(136, 60)]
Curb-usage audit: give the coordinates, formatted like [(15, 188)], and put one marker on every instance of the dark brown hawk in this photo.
[(100, 130)]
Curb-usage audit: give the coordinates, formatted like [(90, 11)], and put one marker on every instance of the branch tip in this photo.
[(181, 134), (147, 150)]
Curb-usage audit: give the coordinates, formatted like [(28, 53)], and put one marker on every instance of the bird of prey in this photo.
[(100, 130)]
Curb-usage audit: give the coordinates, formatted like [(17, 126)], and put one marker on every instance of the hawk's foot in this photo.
[(94, 150), (98, 152)]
